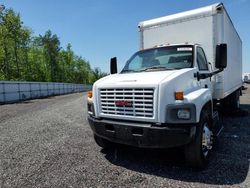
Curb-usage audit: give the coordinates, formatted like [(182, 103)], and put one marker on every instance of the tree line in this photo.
[(39, 58)]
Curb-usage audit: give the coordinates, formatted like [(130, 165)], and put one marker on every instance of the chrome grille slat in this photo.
[(123, 108), (111, 92), (141, 98)]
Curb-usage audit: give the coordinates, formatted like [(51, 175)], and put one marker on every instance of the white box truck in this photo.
[(168, 93), (246, 77)]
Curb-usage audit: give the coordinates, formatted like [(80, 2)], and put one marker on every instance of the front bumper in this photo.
[(143, 134)]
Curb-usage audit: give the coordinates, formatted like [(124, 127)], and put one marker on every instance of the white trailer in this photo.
[(167, 94), (207, 26)]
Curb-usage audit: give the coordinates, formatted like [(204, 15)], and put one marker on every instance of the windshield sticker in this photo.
[(184, 49)]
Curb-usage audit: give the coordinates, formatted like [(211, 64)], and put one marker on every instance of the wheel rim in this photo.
[(206, 140)]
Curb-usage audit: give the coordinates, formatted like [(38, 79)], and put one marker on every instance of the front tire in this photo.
[(197, 152), (105, 144)]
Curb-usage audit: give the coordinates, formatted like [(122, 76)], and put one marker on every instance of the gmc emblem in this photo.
[(123, 103)]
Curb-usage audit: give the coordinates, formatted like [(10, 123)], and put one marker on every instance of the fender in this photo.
[(198, 97)]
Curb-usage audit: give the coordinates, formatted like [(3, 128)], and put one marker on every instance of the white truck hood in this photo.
[(140, 78)]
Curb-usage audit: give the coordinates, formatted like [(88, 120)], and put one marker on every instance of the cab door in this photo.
[(203, 67)]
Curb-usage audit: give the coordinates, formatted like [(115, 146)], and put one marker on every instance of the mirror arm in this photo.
[(216, 72), (200, 76)]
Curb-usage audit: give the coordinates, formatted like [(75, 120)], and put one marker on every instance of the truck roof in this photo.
[(208, 10)]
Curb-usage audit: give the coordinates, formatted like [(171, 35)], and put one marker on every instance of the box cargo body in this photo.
[(207, 26)]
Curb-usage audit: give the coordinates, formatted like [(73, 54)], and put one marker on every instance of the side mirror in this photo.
[(221, 56), (113, 65)]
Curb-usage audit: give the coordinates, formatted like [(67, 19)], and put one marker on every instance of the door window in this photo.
[(201, 59)]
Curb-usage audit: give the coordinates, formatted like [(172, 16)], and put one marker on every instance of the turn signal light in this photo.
[(90, 94), (179, 95)]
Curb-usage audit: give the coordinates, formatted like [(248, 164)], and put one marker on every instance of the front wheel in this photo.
[(197, 152)]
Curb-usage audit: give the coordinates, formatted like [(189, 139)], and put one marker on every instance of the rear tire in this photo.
[(197, 152), (105, 144), (235, 100), (232, 101)]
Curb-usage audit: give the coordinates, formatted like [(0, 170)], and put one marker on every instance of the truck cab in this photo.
[(156, 101)]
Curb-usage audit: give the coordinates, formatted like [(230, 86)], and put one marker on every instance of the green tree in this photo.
[(14, 40), (51, 47), (75, 68), (67, 63), (36, 62), (97, 74), (31, 58)]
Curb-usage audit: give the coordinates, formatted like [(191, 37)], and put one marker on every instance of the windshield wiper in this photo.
[(155, 68), (128, 70)]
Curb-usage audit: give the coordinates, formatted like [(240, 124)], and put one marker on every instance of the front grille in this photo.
[(140, 100)]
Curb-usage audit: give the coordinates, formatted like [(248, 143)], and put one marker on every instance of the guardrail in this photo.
[(13, 91)]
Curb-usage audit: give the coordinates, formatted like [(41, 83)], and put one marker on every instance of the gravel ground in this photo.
[(48, 143)]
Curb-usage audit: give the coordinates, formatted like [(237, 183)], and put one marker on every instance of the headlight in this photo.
[(183, 114)]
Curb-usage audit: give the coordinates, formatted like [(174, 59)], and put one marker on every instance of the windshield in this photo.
[(163, 58)]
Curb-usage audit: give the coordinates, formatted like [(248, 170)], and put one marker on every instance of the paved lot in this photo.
[(48, 143)]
